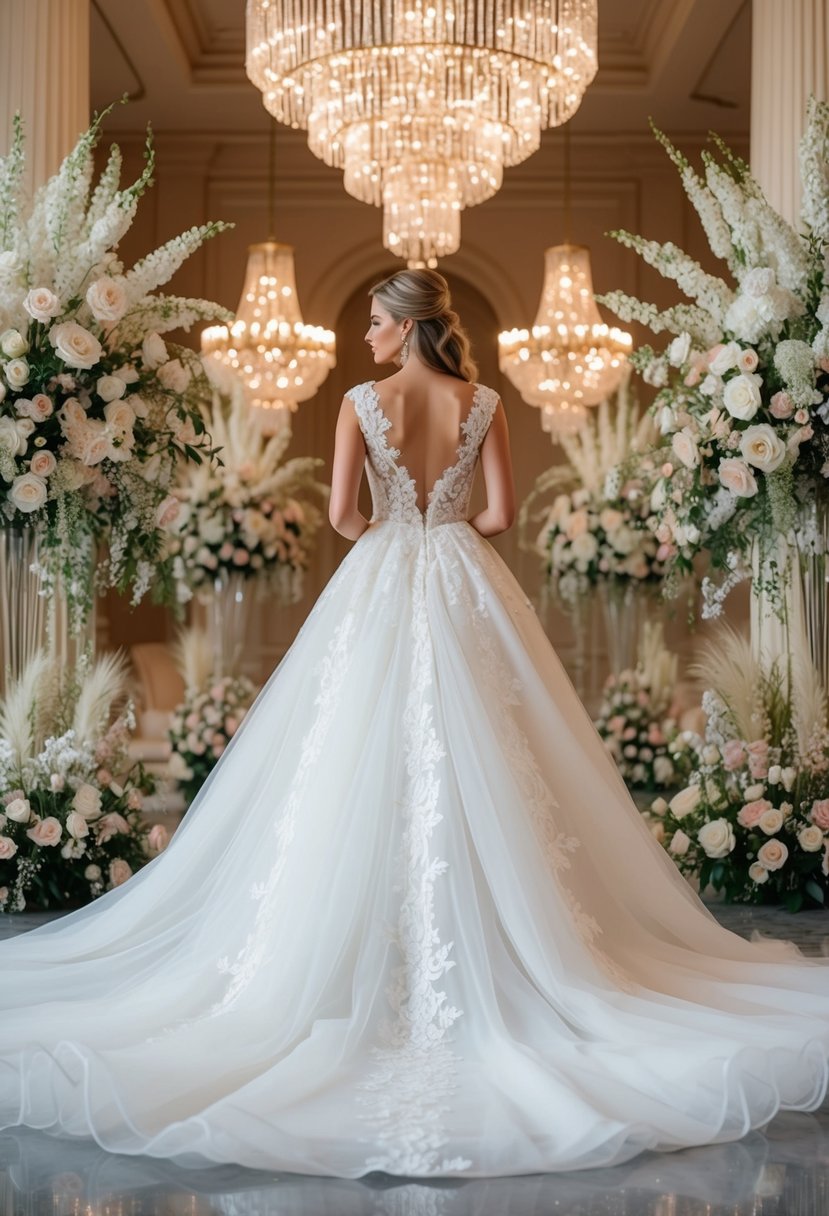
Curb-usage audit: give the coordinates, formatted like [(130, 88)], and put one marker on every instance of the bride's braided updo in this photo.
[(437, 335)]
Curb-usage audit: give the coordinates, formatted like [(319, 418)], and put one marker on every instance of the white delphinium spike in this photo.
[(814, 169), (11, 187), (18, 711), (159, 266), (106, 191), (682, 318), (100, 689), (193, 655), (707, 291), (745, 233)]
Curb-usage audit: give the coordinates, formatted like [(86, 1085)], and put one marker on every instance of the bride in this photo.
[(412, 921)]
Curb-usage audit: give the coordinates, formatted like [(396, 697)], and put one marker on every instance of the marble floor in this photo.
[(781, 1171)]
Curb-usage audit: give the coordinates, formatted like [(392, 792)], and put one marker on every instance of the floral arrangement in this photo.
[(96, 411), (252, 513), (599, 528), (753, 820), (743, 386), (637, 719), (208, 718), (70, 807)]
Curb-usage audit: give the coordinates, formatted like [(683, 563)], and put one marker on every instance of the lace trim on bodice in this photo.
[(393, 489)]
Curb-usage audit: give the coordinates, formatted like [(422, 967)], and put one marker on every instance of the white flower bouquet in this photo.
[(70, 804), (96, 412), (249, 511), (203, 725), (638, 721), (754, 819), (743, 400)]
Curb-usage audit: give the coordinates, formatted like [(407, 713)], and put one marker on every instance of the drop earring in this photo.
[(404, 352)]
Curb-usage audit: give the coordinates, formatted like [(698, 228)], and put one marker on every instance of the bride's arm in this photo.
[(496, 463), (349, 459)]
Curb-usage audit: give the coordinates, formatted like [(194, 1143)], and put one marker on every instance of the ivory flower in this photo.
[(107, 298), (762, 447), (42, 304), (717, 838), (76, 346), (773, 854), (741, 396), (737, 477), (28, 493)]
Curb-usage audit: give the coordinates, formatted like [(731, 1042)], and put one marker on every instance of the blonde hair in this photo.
[(436, 336)]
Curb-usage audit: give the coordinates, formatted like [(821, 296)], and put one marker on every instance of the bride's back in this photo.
[(426, 418)]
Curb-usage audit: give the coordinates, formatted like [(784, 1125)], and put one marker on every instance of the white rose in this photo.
[(770, 821), (153, 351), (717, 838), (11, 438), (174, 376), (13, 344), (76, 346), (680, 843), (679, 350), (763, 447), (758, 872), (16, 372), (609, 518), (76, 825), (810, 839), (28, 492), (20, 810), (110, 388), (120, 415), (107, 298), (685, 801), (42, 304), (87, 801), (742, 396), (789, 776), (585, 547), (92, 873), (737, 477), (663, 770), (753, 792), (775, 773), (42, 464), (773, 855), (685, 448), (725, 358)]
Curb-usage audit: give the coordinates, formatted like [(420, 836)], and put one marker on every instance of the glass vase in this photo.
[(624, 607), (33, 618), (228, 604)]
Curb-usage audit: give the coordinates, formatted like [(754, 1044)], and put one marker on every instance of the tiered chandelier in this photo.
[(280, 360), (570, 359), (423, 103)]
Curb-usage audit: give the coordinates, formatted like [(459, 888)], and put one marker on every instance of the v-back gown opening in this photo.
[(412, 921)]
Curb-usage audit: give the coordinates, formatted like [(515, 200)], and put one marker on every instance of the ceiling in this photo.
[(686, 63)]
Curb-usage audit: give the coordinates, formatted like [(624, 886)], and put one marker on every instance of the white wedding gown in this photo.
[(412, 922)]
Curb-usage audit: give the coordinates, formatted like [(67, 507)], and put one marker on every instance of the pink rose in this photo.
[(655, 736), (747, 360), (819, 813), (232, 725), (135, 800), (218, 749), (13, 796), (47, 832), (119, 871), (750, 814), (241, 557), (736, 476), (217, 692), (110, 825), (801, 417), (7, 848), (168, 511), (781, 405), (758, 758), (733, 754), (615, 725), (158, 837), (42, 464), (104, 776)]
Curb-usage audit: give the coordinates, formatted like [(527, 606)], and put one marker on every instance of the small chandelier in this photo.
[(422, 105), (570, 359), (280, 360)]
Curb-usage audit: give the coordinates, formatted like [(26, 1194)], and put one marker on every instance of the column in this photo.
[(789, 62), (44, 74)]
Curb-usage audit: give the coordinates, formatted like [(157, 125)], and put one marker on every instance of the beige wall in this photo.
[(617, 181)]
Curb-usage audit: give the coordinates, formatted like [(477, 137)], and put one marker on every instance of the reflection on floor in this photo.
[(782, 1171)]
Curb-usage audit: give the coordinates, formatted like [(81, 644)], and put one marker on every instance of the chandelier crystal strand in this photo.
[(422, 104)]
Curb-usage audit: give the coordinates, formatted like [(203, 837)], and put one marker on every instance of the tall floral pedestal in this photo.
[(226, 612), (33, 618)]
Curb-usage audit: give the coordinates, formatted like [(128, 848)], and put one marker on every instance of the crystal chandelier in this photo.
[(280, 360), (422, 104)]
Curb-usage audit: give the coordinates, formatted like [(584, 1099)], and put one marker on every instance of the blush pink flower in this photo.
[(733, 754), (781, 405), (46, 832), (758, 758), (750, 814), (819, 813)]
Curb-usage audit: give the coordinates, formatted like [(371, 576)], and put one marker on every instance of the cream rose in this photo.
[(773, 854), (110, 388), (174, 376), (762, 447), (119, 871), (41, 407), (680, 843), (7, 848), (725, 358), (685, 448), (47, 832), (42, 304), (758, 872), (17, 373), (76, 825), (87, 801), (810, 838), (43, 464), (742, 396), (28, 492), (120, 415), (585, 547), (736, 476), (76, 346), (153, 351), (717, 838), (748, 360), (158, 837), (679, 350), (110, 825), (92, 873), (770, 821), (20, 810), (107, 298), (10, 437), (13, 344), (685, 801)]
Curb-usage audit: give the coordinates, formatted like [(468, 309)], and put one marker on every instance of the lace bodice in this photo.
[(393, 490)]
